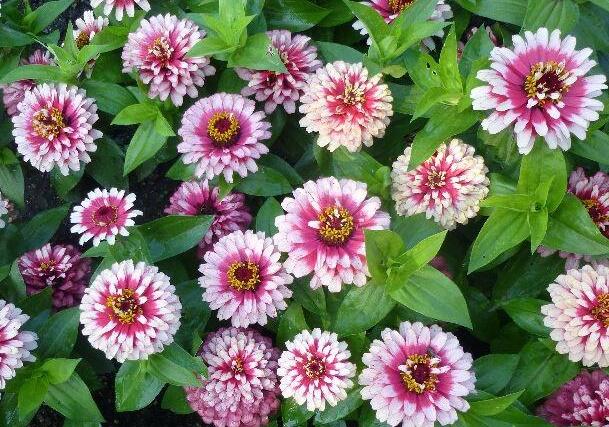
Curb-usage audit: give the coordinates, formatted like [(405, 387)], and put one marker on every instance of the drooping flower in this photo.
[(315, 369), (241, 388), (198, 198), (121, 7), (583, 401), (345, 106), (222, 135), (323, 231), (4, 204), (13, 93), (103, 215), (541, 86), (579, 314), (300, 60), (244, 279), (439, 263), (54, 127), (448, 186), (130, 311), (417, 376), (59, 267), (157, 51), (15, 344), (86, 28)]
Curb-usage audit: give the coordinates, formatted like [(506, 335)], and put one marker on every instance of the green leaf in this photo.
[(514, 202), (265, 182), (538, 225), (449, 64), (293, 414), (601, 3), (265, 219), (180, 171), (551, 14), (73, 400), (372, 20), (146, 142), (58, 335), (331, 52), (110, 98), (478, 47), (33, 72), (313, 300), (64, 183), (494, 406), (291, 322), (491, 379), (195, 313), (526, 313), (162, 126), (342, 409), (510, 11), (432, 97), (136, 114), (10, 37), (595, 147), (11, 177), (135, 387), (108, 153), (174, 399), (31, 395), (176, 366), (293, 15), (58, 371), (381, 245), (42, 227), (258, 54), (208, 46), (45, 14), (413, 229)]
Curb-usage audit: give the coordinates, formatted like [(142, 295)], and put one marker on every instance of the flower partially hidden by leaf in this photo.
[(86, 28), (4, 205), (121, 6)]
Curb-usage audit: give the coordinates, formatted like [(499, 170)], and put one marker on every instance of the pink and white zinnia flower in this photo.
[(157, 51), (448, 186), (300, 60), (345, 106), (241, 389), (130, 311), (15, 344), (86, 28), (244, 280), (222, 135), (323, 231), (103, 215), (417, 376), (54, 127), (315, 369), (121, 7), (541, 87), (4, 205)]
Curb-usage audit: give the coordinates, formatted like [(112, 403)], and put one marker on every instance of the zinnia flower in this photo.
[(4, 204), (121, 6), (157, 51), (54, 127), (197, 198), (583, 401), (15, 344), (579, 314), (417, 376), (315, 369), (323, 231), (130, 311), (222, 134), (448, 186), (60, 267), (241, 388), (13, 93), (345, 106), (300, 60), (86, 28), (541, 87), (103, 215), (573, 260)]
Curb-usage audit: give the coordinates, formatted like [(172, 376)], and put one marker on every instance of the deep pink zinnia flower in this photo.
[(241, 388), (299, 58), (583, 401), (121, 7), (157, 51), (223, 135), (541, 87), (323, 231), (417, 376), (15, 343), (60, 267), (197, 198)]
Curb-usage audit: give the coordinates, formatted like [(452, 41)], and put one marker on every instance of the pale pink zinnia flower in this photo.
[(130, 311), (13, 93), (121, 6), (86, 28), (300, 60), (448, 186), (15, 344), (4, 217), (197, 198), (241, 388), (345, 106), (54, 127), (579, 314), (157, 51), (323, 231), (103, 215), (222, 134), (59, 267), (583, 401), (244, 279), (417, 376), (315, 369), (541, 87)]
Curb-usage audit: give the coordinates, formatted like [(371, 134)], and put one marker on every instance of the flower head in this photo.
[(103, 215), (54, 127), (241, 389), (130, 311), (121, 7), (541, 86), (15, 344), (157, 51), (300, 60), (244, 279), (222, 135), (417, 376), (448, 186), (4, 205), (315, 369), (59, 267), (323, 231), (198, 198), (345, 106), (86, 28)]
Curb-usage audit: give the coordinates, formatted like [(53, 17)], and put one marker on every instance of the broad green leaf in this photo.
[(145, 143), (174, 399), (33, 72), (110, 98), (58, 335), (31, 395), (136, 114), (341, 410), (45, 14), (265, 182), (176, 366), (538, 224), (73, 400), (488, 377), (514, 202), (381, 246), (291, 322), (265, 219), (10, 37), (195, 312), (313, 300), (40, 229), (63, 184), (495, 405), (510, 11), (559, 14), (601, 3), (208, 46), (180, 171), (595, 147), (477, 47), (58, 371), (108, 153), (449, 65), (257, 54), (331, 52), (293, 15), (135, 387), (293, 414), (11, 177), (415, 228), (526, 313), (372, 20)]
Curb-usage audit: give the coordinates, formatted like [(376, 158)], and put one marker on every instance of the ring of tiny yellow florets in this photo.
[(546, 82), (250, 276), (314, 367), (420, 361), (336, 225), (48, 123), (223, 137), (124, 307), (397, 6)]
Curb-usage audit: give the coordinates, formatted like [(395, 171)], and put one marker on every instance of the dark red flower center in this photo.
[(314, 367), (161, 50), (223, 129), (600, 311), (124, 306), (397, 6), (546, 82), (417, 373), (207, 208), (105, 216), (243, 276), (596, 211), (336, 225), (48, 123)]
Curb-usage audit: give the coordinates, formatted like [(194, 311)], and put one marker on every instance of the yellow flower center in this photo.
[(48, 265), (397, 6), (161, 50), (237, 365), (223, 129), (352, 95), (436, 179), (417, 376), (595, 210), (335, 225), (124, 306), (601, 309), (105, 216), (546, 82), (48, 123), (243, 276), (314, 368), (82, 39)]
